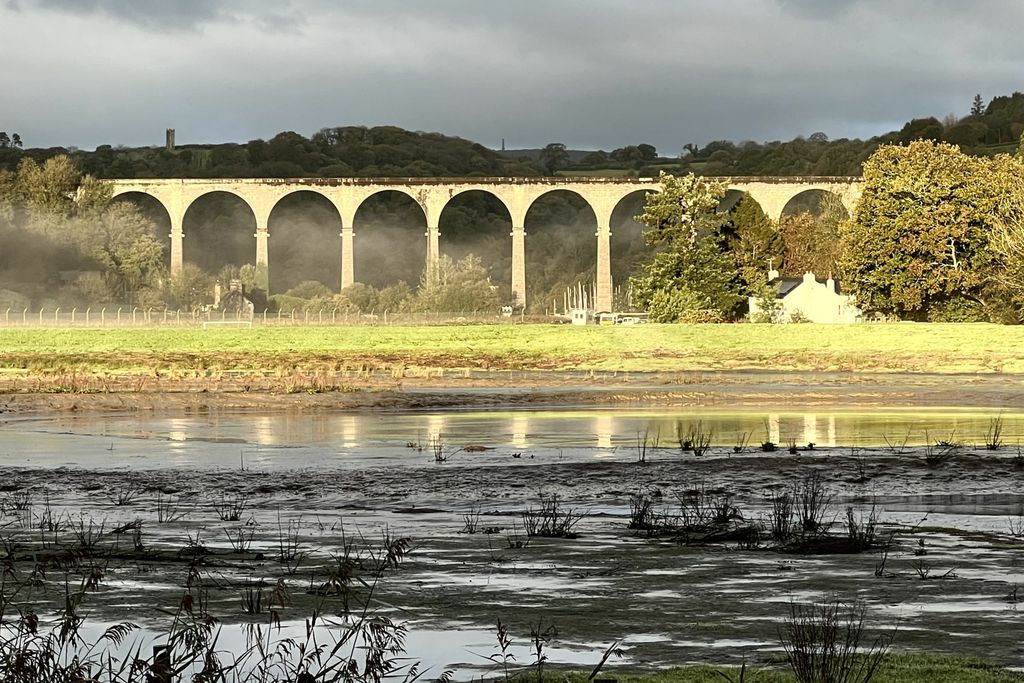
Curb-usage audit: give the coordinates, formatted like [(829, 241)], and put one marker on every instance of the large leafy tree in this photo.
[(811, 238), (553, 157), (918, 243), (123, 242), (755, 243), (456, 286), (689, 272)]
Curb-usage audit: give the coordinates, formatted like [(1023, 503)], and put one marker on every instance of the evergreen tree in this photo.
[(690, 274), (977, 106)]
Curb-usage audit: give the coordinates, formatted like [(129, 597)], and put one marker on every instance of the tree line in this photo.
[(937, 235)]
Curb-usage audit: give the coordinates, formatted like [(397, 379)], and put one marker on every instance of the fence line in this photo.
[(135, 316)]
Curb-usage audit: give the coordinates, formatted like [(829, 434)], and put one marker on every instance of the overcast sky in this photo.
[(589, 73)]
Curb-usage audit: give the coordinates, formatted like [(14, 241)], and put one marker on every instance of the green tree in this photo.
[(189, 290), (5, 140), (457, 286), (123, 242), (553, 157), (977, 106), (917, 246), (689, 271), (755, 244)]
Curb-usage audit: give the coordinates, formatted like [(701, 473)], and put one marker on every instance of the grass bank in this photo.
[(926, 348), (895, 668)]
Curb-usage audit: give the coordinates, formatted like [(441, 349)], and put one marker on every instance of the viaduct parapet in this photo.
[(603, 195)]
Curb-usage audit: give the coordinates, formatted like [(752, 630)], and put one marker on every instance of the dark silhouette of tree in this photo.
[(553, 157), (16, 140), (978, 106), (5, 140)]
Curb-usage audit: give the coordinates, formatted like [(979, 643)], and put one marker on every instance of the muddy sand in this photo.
[(944, 568), (480, 389)]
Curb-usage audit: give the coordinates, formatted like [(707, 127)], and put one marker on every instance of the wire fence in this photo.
[(129, 316)]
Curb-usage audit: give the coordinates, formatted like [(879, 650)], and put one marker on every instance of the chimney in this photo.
[(170, 140)]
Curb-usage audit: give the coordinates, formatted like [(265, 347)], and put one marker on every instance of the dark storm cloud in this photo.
[(590, 73)]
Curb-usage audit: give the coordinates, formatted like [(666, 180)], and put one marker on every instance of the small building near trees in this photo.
[(805, 299)]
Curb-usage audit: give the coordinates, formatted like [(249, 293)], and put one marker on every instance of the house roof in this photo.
[(785, 285)]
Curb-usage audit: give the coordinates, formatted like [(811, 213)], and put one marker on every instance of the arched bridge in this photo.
[(433, 194)]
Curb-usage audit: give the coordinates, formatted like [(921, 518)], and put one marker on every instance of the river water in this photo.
[(949, 578)]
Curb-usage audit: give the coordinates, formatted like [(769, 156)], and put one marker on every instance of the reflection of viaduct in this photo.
[(433, 194)]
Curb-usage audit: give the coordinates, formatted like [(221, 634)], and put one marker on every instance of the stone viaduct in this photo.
[(433, 194)]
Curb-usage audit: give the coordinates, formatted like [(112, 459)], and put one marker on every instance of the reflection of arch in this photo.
[(230, 242), (815, 201), (477, 221), (304, 242), (155, 210), (383, 252)]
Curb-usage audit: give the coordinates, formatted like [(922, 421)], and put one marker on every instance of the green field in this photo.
[(895, 668), (947, 348)]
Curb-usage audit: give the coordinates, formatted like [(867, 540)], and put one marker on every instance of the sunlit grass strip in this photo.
[(948, 348)]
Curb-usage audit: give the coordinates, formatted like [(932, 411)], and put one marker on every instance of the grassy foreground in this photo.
[(947, 348), (896, 668)]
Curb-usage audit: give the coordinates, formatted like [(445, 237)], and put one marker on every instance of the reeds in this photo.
[(230, 509), (994, 435), (826, 642), (551, 519)]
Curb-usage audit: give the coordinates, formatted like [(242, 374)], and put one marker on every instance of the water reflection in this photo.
[(586, 433)]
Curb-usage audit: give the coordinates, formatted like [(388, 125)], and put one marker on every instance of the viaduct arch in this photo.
[(433, 194)]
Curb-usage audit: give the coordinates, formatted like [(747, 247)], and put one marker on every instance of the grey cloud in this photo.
[(596, 73)]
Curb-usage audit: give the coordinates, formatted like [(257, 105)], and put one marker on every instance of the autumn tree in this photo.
[(690, 275), (1006, 240), (810, 239), (918, 244)]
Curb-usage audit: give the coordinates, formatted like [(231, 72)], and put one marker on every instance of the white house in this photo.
[(810, 299)]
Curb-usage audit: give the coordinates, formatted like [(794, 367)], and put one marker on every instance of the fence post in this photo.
[(41, 316), (73, 311), (103, 316), (320, 317), (134, 310), (118, 315), (24, 317), (87, 312), (264, 316)]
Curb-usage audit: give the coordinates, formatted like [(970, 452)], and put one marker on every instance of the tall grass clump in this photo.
[(827, 643)]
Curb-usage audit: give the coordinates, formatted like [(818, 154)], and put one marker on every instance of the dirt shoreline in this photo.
[(519, 389)]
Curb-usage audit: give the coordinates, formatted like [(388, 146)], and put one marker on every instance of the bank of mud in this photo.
[(483, 389), (947, 576)]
